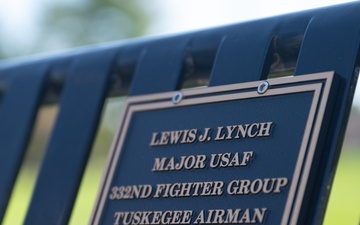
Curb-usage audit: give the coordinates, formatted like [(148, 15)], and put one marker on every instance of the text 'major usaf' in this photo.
[(219, 155)]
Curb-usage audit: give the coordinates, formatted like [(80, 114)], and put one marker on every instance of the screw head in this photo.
[(177, 97), (263, 87)]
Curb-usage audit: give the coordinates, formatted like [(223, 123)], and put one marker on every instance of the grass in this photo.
[(344, 202)]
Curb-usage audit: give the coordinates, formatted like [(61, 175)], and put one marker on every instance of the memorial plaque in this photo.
[(234, 154)]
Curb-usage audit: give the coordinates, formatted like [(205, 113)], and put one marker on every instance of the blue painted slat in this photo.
[(331, 43), (17, 115), (70, 144), (244, 56), (159, 67)]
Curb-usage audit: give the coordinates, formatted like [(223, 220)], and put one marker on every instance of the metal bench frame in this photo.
[(79, 81)]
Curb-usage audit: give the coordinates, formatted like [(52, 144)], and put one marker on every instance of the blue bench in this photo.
[(306, 42)]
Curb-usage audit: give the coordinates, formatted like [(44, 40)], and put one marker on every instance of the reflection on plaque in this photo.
[(234, 154)]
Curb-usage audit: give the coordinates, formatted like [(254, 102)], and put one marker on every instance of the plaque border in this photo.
[(319, 83)]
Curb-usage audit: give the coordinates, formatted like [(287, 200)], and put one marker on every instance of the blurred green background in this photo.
[(68, 24)]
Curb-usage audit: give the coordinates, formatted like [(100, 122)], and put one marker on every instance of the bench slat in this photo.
[(70, 144), (331, 43), (242, 55), (159, 67), (17, 115)]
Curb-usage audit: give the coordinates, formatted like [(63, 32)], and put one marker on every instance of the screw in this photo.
[(177, 97), (263, 87)]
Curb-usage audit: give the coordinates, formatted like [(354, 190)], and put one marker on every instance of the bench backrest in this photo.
[(314, 41)]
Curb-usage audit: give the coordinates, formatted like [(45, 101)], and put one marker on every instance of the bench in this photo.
[(79, 81)]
